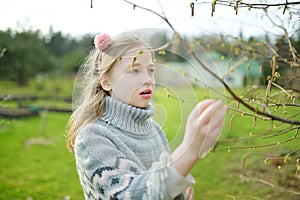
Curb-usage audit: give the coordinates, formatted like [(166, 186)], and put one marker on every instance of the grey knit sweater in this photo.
[(125, 155)]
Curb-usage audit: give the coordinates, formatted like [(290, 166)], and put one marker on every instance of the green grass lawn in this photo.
[(34, 160), (35, 163)]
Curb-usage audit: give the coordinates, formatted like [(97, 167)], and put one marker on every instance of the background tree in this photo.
[(25, 56), (29, 53)]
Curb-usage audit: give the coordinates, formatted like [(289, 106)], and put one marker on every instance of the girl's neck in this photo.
[(131, 119)]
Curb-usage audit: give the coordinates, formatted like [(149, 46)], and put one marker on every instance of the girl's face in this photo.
[(131, 79)]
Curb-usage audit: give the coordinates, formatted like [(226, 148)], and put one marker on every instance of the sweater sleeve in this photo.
[(106, 172)]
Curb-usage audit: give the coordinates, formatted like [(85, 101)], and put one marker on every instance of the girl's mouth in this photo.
[(146, 93)]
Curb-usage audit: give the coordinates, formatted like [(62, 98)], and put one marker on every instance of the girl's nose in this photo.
[(149, 80)]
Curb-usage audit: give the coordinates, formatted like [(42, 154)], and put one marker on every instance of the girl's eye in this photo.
[(151, 70), (135, 70)]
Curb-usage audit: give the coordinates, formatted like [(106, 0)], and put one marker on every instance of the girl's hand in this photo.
[(203, 127), (189, 193)]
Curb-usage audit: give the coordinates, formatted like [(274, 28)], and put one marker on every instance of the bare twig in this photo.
[(2, 52), (153, 12), (262, 145), (293, 52), (283, 90), (267, 183), (242, 4)]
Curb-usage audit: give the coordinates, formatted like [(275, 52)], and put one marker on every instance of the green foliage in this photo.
[(72, 60), (24, 55)]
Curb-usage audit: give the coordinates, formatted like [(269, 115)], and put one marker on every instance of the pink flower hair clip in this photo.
[(102, 41)]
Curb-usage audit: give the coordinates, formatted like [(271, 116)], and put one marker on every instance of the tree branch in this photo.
[(187, 47), (151, 11), (241, 4)]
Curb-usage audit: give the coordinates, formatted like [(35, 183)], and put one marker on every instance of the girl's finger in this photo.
[(212, 132), (204, 105), (189, 193), (208, 113), (200, 107)]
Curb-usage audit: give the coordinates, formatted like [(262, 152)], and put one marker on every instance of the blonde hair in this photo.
[(92, 95)]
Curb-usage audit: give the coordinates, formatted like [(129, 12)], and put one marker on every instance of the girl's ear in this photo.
[(105, 84)]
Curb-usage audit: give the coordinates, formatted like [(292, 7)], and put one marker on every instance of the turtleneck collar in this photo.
[(135, 120)]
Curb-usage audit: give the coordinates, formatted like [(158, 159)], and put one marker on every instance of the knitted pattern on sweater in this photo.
[(125, 155)]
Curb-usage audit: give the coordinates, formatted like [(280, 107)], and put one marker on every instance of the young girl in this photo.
[(121, 153)]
